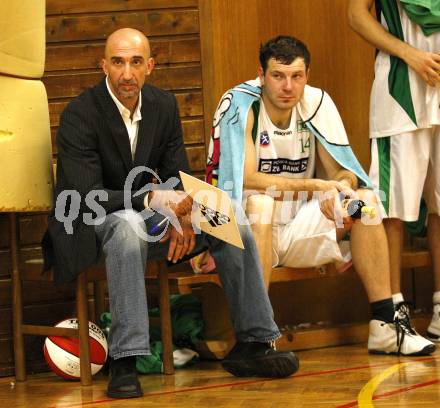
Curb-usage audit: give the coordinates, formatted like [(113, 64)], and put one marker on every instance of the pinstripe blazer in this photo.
[(94, 154)]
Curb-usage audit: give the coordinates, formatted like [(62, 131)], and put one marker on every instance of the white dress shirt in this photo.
[(132, 125)]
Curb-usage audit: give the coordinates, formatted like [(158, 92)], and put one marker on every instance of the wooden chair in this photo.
[(31, 270)]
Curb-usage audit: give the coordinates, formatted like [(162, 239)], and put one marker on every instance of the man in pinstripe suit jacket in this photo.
[(105, 134)]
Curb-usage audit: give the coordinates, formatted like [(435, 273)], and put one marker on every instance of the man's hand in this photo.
[(426, 64), (330, 204), (171, 203), (180, 244)]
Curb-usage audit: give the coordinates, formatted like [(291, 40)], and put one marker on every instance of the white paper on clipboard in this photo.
[(216, 215)]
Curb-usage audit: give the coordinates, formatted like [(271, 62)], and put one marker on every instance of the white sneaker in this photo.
[(398, 337), (433, 332)]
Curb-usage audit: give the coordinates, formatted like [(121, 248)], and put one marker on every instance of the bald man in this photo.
[(112, 140)]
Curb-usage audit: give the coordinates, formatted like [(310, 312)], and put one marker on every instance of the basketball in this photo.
[(62, 353)]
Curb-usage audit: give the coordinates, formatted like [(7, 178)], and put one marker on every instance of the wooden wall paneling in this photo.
[(6, 352), (193, 131), (99, 26), (229, 36), (209, 62), (87, 6), (342, 63), (196, 157), (5, 263), (29, 252), (36, 292), (4, 230), (314, 301), (32, 227), (35, 362), (177, 77), (190, 103), (48, 314), (88, 55)]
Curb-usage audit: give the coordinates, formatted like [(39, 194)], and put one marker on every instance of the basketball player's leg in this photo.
[(401, 187), (390, 331), (401, 190), (394, 231), (432, 197), (370, 257), (370, 251)]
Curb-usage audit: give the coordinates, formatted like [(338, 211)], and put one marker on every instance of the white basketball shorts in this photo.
[(308, 240), (405, 168)]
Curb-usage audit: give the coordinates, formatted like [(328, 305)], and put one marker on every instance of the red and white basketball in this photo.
[(62, 353)]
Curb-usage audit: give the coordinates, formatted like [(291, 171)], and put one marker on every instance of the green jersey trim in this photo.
[(398, 78), (383, 152)]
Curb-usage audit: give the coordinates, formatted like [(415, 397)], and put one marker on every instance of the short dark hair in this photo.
[(284, 49)]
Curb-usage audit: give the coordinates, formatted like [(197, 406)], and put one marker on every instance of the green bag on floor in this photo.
[(187, 324)]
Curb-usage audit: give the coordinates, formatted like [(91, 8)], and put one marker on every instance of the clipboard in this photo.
[(215, 214)]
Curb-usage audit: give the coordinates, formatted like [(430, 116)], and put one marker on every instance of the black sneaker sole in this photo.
[(426, 351), (279, 366), (124, 394)]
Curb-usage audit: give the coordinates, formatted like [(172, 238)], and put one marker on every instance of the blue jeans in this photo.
[(126, 254)]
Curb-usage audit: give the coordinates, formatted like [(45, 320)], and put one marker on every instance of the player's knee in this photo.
[(368, 196), (129, 226)]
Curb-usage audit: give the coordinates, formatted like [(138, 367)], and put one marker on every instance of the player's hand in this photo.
[(170, 203), (330, 202), (180, 244), (426, 64)]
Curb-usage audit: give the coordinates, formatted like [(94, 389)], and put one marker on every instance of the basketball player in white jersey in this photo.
[(280, 151), (404, 124)]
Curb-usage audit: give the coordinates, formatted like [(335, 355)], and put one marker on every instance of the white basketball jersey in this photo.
[(387, 117), (284, 152)]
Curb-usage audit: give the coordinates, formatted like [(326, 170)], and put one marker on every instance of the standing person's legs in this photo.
[(432, 197), (433, 332), (394, 232), (312, 233), (398, 170)]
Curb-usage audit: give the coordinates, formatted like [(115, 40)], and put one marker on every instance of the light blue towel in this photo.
[(225, 166)]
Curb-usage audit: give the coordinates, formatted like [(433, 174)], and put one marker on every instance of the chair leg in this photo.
[(83, 328), (17, 303), (165, 320), (99, 296), (262, 230)]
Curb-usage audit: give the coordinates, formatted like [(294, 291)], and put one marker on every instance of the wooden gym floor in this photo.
[(342, 377)]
